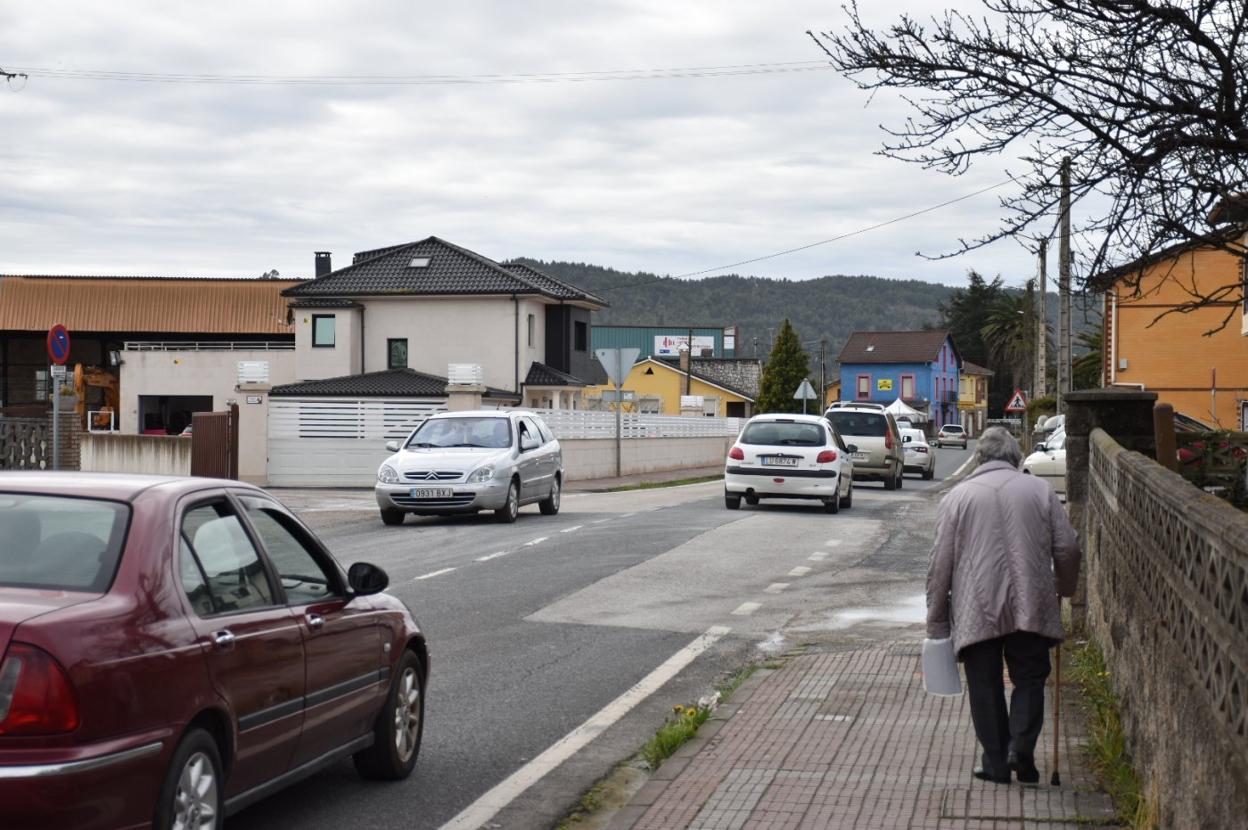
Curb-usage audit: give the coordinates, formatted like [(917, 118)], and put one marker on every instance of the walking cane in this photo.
[(1056, 780)]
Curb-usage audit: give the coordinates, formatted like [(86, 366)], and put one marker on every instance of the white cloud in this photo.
[(670, 176)]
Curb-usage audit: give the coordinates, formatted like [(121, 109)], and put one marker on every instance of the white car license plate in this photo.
[(432, 492), (860, 456), (779, 461)]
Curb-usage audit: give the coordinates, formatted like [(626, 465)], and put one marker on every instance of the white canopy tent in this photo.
[(900, 409)]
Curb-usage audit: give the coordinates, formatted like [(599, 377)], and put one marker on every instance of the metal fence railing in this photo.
[(582, 423)]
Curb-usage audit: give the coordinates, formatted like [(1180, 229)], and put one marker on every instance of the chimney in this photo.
[(322, 264), (685, 367)]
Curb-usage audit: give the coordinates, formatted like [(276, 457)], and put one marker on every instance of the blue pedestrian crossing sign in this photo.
[(58, 344)]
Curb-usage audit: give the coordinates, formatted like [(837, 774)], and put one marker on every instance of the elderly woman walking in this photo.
[(1004, 551)]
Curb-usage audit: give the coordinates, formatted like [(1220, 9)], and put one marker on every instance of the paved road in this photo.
[(537, 626)]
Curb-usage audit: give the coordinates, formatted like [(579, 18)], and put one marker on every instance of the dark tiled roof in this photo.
[(392, 383), (969, 368), (450, 270), (328, 302), (696, 371), (554, 287), (893, 347), (542, 375)]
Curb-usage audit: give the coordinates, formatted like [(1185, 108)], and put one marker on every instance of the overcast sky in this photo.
[(671, 175)]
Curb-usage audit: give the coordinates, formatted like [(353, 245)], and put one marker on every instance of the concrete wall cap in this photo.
[(1098, 395)]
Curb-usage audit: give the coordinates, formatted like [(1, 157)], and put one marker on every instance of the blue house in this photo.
[(920, 367)]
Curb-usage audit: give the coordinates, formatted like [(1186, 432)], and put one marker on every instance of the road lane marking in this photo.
[(600, 521), (536, 541), (832, 542), (817, 556), (965, 464), (487, 806), (747, 608), (775, 587), (800, 570), (433, 574), (570, 529), (490, 556), (628, 515)]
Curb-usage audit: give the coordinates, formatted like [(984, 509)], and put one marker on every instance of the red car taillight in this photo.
[(736, 454), (888, 440), (35, 695), (826, 457)]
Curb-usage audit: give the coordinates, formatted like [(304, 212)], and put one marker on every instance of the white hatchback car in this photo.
[(917, 453), (1049, 462), (789, 457)]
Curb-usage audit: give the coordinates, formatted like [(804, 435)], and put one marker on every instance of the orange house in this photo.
[(1202, 375)]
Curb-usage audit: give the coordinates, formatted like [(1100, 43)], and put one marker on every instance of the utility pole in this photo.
[(1042, 324), (823, 371), (1029, 329), (1063, 289)]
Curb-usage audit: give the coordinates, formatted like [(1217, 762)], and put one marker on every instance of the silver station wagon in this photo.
[(465, 462)]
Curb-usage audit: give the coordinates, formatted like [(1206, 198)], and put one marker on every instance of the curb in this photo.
[(628, 815)]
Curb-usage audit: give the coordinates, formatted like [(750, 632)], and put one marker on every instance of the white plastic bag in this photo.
[(940, 668)]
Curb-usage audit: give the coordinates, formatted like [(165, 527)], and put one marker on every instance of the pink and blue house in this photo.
[(920, 367)]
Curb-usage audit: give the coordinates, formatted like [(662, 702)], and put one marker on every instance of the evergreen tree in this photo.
[(787, 366)]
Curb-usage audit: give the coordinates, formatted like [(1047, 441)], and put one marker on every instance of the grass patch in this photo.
[(685, 720), (1107, 743), (655, 485)]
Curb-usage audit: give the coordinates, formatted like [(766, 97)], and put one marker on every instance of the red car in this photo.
[(172, 650)]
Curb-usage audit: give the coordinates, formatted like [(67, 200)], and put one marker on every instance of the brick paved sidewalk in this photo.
[(850, 740)]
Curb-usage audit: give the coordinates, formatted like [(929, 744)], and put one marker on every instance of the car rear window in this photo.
[(954, 429), (863, 424), (58, 543), (784, 434)]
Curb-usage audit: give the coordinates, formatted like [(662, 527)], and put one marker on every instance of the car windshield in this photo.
[(60, 544), (783, 434), (862, 424), (484, 432)]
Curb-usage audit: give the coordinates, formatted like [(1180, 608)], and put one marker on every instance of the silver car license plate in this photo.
[(860, 456), (432, 492), (779, 461)]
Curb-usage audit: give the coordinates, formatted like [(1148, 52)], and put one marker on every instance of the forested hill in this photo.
[(833, 306)]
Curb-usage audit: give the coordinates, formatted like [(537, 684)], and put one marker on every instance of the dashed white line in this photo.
[(800, 570), (490, 556), (817, 556), (536, 541), (628, 515), (600, 521), (433, 574), (747, 608), (775, 587), (570, 529), (832, 542), (488, 805)]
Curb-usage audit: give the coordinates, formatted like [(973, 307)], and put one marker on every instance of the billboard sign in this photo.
[(668, 345)]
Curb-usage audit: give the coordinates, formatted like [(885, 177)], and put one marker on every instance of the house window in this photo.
[(323, 331), (396, 353), (907, 387), (532, 329), (864, 387), (979, 390), (580, 333)]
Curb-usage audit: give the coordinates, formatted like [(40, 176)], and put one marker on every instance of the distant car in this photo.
[(174, 649), (918, 455), (951, 434), (465, 462), (877, 455), (1048, 462), (789, 457), (187, 431)]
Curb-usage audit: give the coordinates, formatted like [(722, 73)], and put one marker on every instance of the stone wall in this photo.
[(26, 443), (1167, 574)]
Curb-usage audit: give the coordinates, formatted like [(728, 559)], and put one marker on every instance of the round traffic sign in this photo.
[(58, 344)]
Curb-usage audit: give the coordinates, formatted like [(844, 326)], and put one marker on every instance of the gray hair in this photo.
[(996, 444)]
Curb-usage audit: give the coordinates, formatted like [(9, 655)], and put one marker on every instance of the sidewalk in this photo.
[(849, 739)]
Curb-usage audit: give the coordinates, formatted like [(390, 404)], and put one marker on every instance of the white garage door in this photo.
[(336, 442)]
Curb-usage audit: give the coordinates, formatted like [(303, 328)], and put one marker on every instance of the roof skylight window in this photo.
[(419, 262)]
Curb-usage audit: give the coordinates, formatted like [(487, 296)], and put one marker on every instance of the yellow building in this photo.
[(658, 386), (1195, 360), (973, 397)]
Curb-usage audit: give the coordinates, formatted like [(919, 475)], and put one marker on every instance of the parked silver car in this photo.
[(465, 462)]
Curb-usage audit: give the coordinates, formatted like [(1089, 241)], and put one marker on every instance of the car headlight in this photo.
[(481, 475), (387, 475)]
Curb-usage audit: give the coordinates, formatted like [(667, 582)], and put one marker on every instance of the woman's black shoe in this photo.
[(1024, 769), (984, 775)]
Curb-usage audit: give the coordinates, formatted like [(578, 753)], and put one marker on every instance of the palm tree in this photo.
[(1086, 370), (1007, 335)]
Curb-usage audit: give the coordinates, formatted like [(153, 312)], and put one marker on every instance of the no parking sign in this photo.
[(58, 344)]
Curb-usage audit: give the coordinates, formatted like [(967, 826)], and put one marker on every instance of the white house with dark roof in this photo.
[(428, 304)]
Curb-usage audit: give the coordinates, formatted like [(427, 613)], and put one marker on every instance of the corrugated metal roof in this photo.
[(145, 304)]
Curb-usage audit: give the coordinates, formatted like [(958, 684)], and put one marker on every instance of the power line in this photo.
[(733, 70), (788, 251)]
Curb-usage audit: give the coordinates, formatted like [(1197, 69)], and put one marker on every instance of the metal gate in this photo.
[(214, 444)]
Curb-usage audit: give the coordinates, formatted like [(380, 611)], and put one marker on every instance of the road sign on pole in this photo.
[(58, 344), (618, 363), (1018, 403), (804, 393)]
